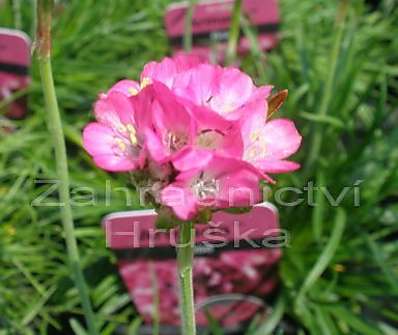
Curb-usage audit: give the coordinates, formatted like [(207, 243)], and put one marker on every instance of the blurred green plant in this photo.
[(42, 44), (339, 274)]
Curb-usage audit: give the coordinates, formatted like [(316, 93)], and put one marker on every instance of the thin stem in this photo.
[(44, 9), (185, 261), (234, 31), (255, 49), (328, 90), (188, 27), (16, 7), (326, 256)]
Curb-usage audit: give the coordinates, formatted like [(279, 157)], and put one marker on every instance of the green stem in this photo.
[(55, 127), (16, 6), (325, 257), (184, 261), (234, 31), (188, 27), (255, 49)]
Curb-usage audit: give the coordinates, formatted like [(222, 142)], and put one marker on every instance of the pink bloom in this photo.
[(214, 136), (178, 131), (267, 144), (227, 91), (164, 72), (166, 124), (184, 116), (113, 140), (167, 70), (222, 183), (125, 86)]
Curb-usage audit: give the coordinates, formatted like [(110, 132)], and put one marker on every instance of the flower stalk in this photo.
[(187, 41), (187, 231), (185, 262), (234, 32), (43, 50)]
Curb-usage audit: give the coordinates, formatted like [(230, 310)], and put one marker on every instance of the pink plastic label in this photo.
[(211, 21), (136, 229), (233, 268), (14, 65)]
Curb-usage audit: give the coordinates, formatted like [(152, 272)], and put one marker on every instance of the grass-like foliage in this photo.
[(339, 273)]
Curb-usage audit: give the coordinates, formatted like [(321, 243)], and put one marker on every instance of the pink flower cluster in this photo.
[(199, 130)]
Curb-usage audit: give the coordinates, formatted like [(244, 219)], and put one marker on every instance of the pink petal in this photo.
[(235, 89), (232, 144), (253, 121), (277, 166), (185, 61), (160, 117), (126, 87), (262, 92), (191, 158), (239, 189), (164, 72), (207, 118), (172, 114), (142, 105), (198, 85), (226, 134), (114, 110), (282, 139), (257, 105), (180, 199), (238, 181), (155, 146), (114, 163), (98, 141)]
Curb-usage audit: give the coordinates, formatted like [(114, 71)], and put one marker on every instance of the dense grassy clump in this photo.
[(339, 273)]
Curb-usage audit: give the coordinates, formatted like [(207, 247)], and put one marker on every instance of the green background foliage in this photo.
[(339, 274)]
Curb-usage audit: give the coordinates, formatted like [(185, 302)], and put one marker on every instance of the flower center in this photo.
[(176, 141), (125, 139), (205, 188), (132, 133), (145, 82), (223, 107), (132, 90), (257, 147), (209, 139), (124, 147), (227, 107), (120, 146)]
